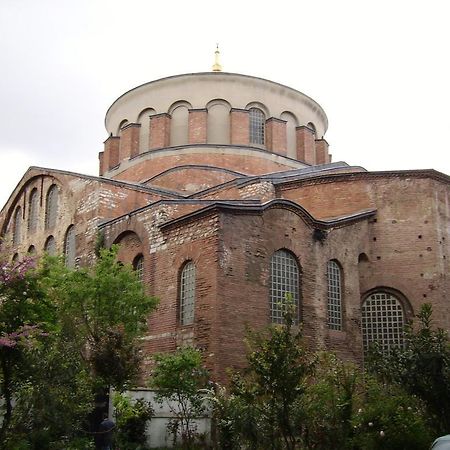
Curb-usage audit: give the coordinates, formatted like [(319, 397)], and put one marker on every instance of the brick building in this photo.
[(221, 192)]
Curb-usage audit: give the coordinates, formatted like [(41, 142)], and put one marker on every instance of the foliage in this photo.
[(179, 379), (105, 308), (131, 420), (422, 367), (260, 411), (289, 399), (63, 335)]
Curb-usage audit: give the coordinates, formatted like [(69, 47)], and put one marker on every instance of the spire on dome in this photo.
[(217, 66)]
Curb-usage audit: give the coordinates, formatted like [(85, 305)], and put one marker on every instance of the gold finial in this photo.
[(216, 66)]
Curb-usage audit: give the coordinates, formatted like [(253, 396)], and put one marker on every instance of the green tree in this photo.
[(179, 379), (104, 308), (65, 334), (272, 385), (422, 367)]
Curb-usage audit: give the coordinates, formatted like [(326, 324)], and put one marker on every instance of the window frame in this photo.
[(187, 292), (335, 303), (399, 329), (279, 286), (51, 206), (257, 126)]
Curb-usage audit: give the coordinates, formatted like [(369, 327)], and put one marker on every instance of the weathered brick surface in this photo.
[(129, 141), (306, 145), (197, 126), (322, 155), (239, 127), (111, 153), (159, 131), (276, 139)]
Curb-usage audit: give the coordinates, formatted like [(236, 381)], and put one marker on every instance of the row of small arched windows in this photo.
[(382, 313), (51, 213), (50, 247)]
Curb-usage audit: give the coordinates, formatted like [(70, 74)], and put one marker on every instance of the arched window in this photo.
[(33, 206), (334, 296), (15, 258), (31, 250), (138, 266), (51, 206), (70, 247), (383, 320), (312, 127), (284, 284), (187, 294), (50, 246), (17, 226), (257, 126)]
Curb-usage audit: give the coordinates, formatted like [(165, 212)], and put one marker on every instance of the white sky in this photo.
[(380, 69)]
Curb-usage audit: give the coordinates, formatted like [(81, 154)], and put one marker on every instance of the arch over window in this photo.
[(291, 133), (334, 297), (33, 210), (50, 246), (17, 226), (257, 126), (383, 319), (218, 124), (312, 127), (144, 131), (51, 206), (138, 266), (179, 128), (187, 294), (70, 247), (284, 282)]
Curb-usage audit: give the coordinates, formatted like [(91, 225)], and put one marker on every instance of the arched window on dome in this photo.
[(187, 293), (334, 296), (312, 127), (17, 226), (50, 246), (138, 266), (51, 206), (257, 123), (70, 247), (383, 320), (284, 284), (33, 211)]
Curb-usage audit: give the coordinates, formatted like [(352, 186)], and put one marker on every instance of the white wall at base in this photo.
[(157, 434)]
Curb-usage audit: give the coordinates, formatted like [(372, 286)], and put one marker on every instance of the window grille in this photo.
[(257, 126), (382, 321), (51, 207), (138, 266), (334, 296), (187, 294), (17, 226), (50, 246), (70, 247), (33, 211), (284, 284)]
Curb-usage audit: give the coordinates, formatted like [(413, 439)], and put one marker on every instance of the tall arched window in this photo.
[(334, 303), (284, 284), (17, 226), (70, 247), (138, 266), (50, 246), (187, 294), (31, 250), (33, 209), (383, 320), (51, 206), (257, 126)]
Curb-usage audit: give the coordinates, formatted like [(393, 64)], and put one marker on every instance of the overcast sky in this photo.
[(380, 69)]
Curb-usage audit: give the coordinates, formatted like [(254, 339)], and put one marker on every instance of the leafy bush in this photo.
[(132, 417)]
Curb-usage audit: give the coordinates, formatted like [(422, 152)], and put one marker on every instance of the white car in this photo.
[(441, 443)]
